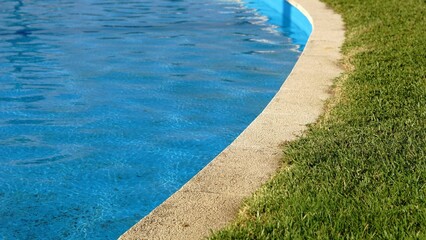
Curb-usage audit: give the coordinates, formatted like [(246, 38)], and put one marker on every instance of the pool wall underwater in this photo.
[(211, 199)]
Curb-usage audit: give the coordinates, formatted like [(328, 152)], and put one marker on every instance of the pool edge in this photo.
[(212, 198)]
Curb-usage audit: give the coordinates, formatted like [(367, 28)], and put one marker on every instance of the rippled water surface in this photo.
[(108, 107)]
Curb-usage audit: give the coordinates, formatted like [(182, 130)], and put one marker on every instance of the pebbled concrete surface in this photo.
[(212, 198)]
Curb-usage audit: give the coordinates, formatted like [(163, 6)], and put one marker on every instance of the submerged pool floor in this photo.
[(108, 107)]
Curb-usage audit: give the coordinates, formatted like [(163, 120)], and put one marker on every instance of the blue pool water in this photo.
[(108, 107)]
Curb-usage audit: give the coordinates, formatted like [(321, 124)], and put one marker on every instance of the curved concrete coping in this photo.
[(211, 199)]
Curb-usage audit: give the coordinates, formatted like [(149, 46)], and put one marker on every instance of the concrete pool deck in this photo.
[(212, 198)]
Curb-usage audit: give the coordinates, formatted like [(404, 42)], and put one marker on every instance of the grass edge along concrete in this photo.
[(360, 171)]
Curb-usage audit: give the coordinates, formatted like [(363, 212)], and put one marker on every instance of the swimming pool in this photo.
[(108, 108)]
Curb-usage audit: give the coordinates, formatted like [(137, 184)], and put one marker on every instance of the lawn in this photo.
[(360, 171)]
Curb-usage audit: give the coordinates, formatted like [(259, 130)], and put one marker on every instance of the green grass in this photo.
[(360, 171)]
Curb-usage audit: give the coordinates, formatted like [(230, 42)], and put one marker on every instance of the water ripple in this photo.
[(107, 107)]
